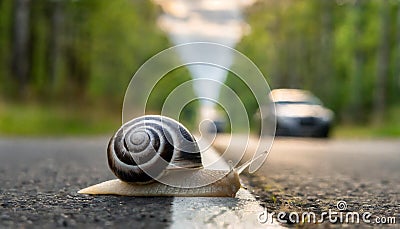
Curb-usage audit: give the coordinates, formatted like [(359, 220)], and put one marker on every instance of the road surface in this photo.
[(314, 174), (39, 179)]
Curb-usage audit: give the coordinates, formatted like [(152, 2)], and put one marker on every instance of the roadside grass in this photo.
[(33, 119), (390, 128), (44, 120), (370, 131)]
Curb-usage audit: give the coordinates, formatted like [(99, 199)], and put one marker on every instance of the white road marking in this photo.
[(212, 212)]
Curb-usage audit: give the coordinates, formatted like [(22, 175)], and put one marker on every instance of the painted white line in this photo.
[(212, 212)]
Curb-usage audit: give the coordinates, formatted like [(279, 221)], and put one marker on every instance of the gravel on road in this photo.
[(40, 179), (39, 188), (312, 175)]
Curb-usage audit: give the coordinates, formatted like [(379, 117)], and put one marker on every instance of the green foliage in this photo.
[(126, 36), (328, 47), (5, 42), (97, 45), (246, 96), (43, 120), (164, 88), (83, 54)]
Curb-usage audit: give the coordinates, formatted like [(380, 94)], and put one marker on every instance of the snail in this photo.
[(157, 156)]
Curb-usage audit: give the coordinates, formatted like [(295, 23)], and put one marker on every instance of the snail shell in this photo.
[(144, 148), (156, 156)]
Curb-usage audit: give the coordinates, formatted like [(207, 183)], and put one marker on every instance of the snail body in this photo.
[(156, 156), (225, 187)]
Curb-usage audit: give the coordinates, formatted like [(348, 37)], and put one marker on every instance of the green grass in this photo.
[(370, 131), (41, 120), (390, 128)]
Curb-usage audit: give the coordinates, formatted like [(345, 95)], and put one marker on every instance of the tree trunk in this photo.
[(20, 46), (397, 60), (77, 59), (382, 67), (326, 84), (354, 108), (292, 53), (56, 25)]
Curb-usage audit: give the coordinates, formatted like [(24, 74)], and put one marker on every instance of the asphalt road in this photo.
[(314, 174), (39, 179)]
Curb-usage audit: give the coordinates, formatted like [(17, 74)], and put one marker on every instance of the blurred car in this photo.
[(218, 126), (300, 113)]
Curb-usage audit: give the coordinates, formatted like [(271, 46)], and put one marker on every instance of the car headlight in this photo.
[(328, 117), (285, 119)]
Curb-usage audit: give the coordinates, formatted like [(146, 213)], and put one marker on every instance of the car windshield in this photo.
[(294, 96)]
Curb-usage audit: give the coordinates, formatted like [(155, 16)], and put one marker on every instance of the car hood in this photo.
[(302, 110)]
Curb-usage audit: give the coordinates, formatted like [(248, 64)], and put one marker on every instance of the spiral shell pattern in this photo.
[(145, 147)]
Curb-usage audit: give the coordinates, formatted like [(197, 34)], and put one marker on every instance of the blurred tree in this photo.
[(347, 51), (39, 37), (164, 87), (20, 46), (7, 83), (337, 49), (75, 51), (396, 78), (326, 70), (78, 47), (354, 110), (383, 65), (56, 26)]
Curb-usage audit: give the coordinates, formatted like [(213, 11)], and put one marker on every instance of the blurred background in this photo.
[(65, 64)]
